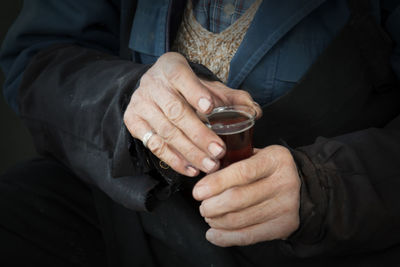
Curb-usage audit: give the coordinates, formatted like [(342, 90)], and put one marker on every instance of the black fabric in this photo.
[(350, 172), (350, 87), (48, 218), (178, 226), (127, 12), (175, 231), (126, 242), (90, 136), (72, 99)]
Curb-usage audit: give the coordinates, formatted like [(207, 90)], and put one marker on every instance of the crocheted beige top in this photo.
[(213, 50)]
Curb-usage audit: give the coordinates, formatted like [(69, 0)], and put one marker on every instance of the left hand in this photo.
[(253, 200)]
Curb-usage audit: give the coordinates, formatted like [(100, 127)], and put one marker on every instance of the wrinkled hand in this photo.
[(253, 200), (166, 103)]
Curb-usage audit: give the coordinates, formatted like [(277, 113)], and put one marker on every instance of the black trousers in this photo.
[(48, 217)]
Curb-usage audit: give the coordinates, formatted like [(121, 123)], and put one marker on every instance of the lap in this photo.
[(48, 218)]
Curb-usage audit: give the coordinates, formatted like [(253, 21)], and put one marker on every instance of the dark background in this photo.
[(15, 141)]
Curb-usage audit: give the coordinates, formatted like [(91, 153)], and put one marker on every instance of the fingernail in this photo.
[(215, 149), (209, 164), (191, 171), (204, 104), (201, 192)]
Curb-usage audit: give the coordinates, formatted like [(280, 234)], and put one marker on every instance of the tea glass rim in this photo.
[(248, 111)]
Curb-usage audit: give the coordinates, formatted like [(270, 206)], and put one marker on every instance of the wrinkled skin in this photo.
[(166, 103), (253, 200)]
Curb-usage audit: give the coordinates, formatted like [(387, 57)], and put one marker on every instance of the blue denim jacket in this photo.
[(282, 42)]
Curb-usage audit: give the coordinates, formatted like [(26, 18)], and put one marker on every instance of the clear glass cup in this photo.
[(234, 125)]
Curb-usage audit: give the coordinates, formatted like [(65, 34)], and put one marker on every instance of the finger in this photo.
[(243, 172), (139, 127), (239, 197), (262, 212), (185, 119), (243, 98), (164, 152), (179, 141), (279, 228), (229, 96), (181, 77)]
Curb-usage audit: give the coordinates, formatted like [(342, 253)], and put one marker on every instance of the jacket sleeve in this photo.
[(349, 195), (70, 88), (67, 83), (350, 186), (40, 24)]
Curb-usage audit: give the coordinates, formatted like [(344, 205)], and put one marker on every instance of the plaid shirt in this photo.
[(217, 15)]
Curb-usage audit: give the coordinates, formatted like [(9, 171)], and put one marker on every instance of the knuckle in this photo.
[(235, 220), (235, 193), (199, 132), (127, 118), (273, 156), (205, 209), (196, 137), (146, 78), (234, 197), (175, 111), (138, 104), (173, 161), (130, 121), (167, 131), (288, 182), (129, 113), (246, 172), (157, 146), (193, 155), (218, 183), (280, 152), (209, 210), (215, 223), (174, 74), (244, 94), (170, 56), (133, 100)]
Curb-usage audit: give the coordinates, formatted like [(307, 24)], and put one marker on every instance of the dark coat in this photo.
[(74, 91)]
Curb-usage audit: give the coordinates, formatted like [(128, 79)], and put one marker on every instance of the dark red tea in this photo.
[(236, 129)]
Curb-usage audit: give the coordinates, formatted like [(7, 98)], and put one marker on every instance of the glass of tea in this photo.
[(234, 125)]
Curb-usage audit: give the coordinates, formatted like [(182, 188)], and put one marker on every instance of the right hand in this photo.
[(166, 103)]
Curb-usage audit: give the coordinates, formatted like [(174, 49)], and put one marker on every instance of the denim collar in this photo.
[(272, 21)]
